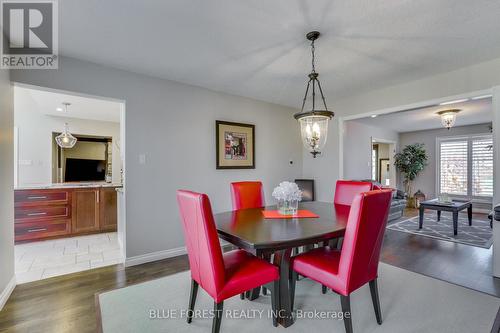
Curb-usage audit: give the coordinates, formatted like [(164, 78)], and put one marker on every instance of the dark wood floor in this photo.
[(465, 265), (67, 303)]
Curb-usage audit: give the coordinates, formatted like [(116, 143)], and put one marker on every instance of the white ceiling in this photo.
[(472, 112), (257, 48), (81, 107)]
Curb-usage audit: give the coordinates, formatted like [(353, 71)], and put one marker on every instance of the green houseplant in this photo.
[(410, 162)]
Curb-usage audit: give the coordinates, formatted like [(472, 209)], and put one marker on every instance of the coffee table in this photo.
[(455, 206)]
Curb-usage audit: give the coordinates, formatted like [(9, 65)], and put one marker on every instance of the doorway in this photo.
[(69, 212), (382, 162)]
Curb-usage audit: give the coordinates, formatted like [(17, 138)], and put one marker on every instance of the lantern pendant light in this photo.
[(314, 122), (65, 139), (448, 117)]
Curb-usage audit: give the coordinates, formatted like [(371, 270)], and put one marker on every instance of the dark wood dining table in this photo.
[(249, 230)]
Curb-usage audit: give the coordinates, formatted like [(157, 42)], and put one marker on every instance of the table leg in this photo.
[(253, 294), (282, 260), (469, 213), (439, 215), (420, 217), (455, 222)]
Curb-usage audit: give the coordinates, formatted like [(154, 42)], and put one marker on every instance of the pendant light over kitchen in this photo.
[(65, 139), (314, 122)]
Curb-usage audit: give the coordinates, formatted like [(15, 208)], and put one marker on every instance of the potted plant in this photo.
[(410, 162)]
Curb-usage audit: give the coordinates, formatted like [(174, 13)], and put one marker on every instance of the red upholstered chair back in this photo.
[(363, 238), (202, 241), (346, 190), (247, 195)]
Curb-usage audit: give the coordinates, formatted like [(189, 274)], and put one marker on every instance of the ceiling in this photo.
[(81, 107), (257, 48), (472, 112)]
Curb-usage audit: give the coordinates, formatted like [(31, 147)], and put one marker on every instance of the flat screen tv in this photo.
[(79, 170)]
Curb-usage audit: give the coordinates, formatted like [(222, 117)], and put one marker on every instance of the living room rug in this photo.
[(479, 234), (410, 303)]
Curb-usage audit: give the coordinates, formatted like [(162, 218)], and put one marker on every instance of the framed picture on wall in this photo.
[(235, 145)]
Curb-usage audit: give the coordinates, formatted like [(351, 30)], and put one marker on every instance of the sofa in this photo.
[(398, 202)]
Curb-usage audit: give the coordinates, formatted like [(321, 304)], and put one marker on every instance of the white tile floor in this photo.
[(41, 260)]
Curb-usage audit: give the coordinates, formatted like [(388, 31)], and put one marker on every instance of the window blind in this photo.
[(482, 167), (453, 167)]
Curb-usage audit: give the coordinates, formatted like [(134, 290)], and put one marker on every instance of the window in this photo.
[(465, 166)]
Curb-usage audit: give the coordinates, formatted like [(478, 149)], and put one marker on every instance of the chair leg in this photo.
[(345, 302), (323, 289), (292, 283), (274, 288), (192, 300), (218, 308), (376, 301), (242, 296)]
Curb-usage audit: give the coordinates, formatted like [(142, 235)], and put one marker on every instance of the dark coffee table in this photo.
[(455, 206)]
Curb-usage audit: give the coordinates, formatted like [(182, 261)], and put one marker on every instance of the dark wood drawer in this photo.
[(37, 197), (41, 212), (41, 229)]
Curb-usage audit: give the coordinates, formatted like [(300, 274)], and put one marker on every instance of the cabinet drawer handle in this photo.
[(37, 214), (36, 230), (37, 197)]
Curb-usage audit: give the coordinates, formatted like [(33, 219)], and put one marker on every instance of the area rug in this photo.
[(479, 234), (410, 303)]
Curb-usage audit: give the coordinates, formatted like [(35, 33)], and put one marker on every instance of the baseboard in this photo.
[(160, 255), (155, 256), (4, 296)]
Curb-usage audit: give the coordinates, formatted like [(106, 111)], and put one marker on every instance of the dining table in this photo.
[(249, 230)]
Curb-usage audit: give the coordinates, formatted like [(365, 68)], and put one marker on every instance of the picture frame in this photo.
[(235, 145)]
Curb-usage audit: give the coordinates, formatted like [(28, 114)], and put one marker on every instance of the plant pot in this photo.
[(411, 203)]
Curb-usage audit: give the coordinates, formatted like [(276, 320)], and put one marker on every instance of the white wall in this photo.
[(174, 126), (35, 138), (6, 187), (426, 180), (358, 148)]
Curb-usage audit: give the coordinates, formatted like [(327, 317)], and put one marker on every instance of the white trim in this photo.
[(155, 256), (160, 255), (341, 147), (9, 288)]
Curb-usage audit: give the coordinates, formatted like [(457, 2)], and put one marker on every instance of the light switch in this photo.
[(142, 158)]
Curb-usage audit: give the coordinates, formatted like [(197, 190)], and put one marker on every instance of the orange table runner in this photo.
[(301, 213)]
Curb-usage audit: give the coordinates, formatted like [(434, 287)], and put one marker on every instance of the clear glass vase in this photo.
[(288, 207)]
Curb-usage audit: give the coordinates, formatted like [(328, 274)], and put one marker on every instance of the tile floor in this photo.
[(41, 260)]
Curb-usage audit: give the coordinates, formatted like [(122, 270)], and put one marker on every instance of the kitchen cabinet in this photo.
[(64, 212)]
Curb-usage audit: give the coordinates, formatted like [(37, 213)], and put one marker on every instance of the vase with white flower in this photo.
[(288, 195)]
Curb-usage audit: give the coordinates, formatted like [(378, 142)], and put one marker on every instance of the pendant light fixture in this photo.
[(314, 122), (65, 139), (448, 117)]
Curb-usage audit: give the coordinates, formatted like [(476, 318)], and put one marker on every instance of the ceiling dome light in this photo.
[(314, 123), (65, 139), (448, 117)]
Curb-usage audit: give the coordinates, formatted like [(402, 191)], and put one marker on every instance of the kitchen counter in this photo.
[(66, 185)]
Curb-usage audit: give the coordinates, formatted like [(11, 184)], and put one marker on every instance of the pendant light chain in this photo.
[(313, 49)]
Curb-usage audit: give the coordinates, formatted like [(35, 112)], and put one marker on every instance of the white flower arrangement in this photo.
[(287, 191)]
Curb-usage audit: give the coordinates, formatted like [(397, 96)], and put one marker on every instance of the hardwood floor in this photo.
[(465, 265), (67, 303)]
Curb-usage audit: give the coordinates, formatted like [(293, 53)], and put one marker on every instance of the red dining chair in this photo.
[(247, 195), (346, 190), (356, 264), (220, 275)]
